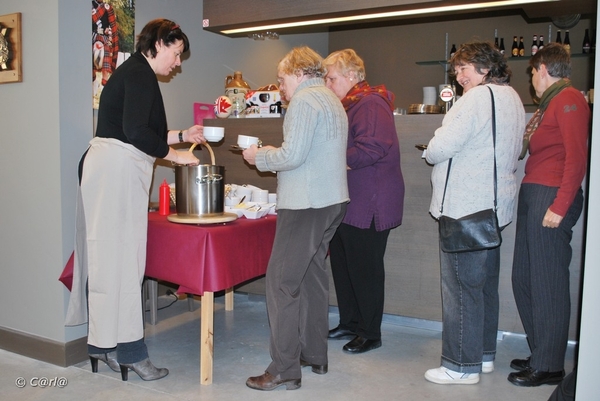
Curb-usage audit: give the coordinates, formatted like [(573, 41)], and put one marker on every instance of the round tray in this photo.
[(188, 219)]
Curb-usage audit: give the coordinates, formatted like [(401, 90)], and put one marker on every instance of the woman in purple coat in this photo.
[(376, 189)]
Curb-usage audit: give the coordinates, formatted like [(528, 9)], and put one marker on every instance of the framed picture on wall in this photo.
[(113, 23), (10, 48)]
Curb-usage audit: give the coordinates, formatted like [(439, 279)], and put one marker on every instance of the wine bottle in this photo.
[(452, 50), (515, 47), (541, 43), (586, 46), (558, 37), (567, 42), (521, 47), (534, 45), (502, 45), (496, 42)]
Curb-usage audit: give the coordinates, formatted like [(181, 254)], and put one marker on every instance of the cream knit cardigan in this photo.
[(466, 137), (311, 162)]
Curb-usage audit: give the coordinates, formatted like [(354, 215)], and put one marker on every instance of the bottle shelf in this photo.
[(434, 62), (445, 62)]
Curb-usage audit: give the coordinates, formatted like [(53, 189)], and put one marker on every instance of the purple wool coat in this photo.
[(375, 181)]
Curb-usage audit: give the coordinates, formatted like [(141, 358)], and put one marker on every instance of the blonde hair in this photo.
[(346, 61), (302, 60)]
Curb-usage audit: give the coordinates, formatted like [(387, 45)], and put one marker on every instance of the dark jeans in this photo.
[(540, 275), (470, 308), (131, 352)]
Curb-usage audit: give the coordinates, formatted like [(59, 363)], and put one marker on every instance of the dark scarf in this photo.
[(547, 96), (363, 89)]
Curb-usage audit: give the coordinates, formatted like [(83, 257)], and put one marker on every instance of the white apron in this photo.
[(110, 242)]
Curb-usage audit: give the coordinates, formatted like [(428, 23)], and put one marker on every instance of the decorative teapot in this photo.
[(236, 89)]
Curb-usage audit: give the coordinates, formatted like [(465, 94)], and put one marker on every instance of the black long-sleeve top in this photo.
[(132, 109)]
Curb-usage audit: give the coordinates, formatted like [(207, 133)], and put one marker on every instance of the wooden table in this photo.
[(203, 259)]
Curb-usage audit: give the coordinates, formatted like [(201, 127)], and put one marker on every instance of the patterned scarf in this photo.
[(532, 125), (363, 89)]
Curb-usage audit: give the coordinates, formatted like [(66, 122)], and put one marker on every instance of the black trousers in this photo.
[(540, 275), (359, 277)]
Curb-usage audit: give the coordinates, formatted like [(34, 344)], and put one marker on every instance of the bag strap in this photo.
[(495, 167), (494, 139)]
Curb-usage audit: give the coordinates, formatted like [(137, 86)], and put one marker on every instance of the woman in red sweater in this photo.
[(550, 203)]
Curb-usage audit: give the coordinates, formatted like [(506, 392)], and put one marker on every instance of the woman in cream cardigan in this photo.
[(470, 279)]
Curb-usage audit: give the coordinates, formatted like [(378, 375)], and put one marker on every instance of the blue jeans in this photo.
[(469, 308)]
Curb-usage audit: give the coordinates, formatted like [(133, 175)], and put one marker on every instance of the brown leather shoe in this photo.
[(267, 382), (318, 369)]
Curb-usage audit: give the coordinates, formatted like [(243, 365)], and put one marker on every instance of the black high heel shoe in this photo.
[(109, 358), (145, 369)]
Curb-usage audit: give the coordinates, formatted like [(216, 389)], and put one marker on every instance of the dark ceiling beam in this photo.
[(221, 15), (560, 8)]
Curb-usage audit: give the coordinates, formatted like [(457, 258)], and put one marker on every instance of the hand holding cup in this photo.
[(214, 134), (245, 141)]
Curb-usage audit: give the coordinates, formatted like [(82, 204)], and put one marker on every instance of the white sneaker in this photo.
[(487, 367), (444, 375)]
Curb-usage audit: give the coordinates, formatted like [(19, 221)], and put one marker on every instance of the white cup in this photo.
[(272, 198), (260, 196), (234, 200), (245, 141), (214, 134), (429, 95), (243, 192)]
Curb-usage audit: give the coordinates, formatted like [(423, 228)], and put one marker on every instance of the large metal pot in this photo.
[(199, 190)]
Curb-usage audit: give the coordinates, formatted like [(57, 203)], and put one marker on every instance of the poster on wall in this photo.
[(113, 37)]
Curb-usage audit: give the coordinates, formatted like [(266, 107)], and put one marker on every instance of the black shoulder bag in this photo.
[(477, 231)]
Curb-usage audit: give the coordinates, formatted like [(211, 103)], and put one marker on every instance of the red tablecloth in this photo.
[(204, 257), (208, 257)]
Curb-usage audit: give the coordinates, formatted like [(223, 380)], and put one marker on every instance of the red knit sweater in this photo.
[(558, 150)]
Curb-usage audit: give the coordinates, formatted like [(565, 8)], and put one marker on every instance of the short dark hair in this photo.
[(157, 30), (483, 55), (555, 57)]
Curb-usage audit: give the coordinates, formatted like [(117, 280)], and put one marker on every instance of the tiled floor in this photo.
[(392, 372)]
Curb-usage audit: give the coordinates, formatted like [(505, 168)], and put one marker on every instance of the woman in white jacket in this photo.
[(470, 279)]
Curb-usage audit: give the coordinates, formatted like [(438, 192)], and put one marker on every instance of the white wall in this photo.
[(46, 125), (589, 347)]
